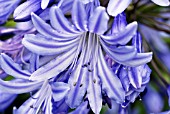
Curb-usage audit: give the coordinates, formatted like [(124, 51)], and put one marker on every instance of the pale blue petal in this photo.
[(54, 67), (60, 90), (119, 23), (19, 86), (60, 22), (23, 11), (139, 59), (34, 62), (135, 76), (47, 105), (137, 42), (161, 2), (117, 6), (123, 75), (94, 92), (44, 3), (27, 106), (146, 71), (78, 85), (6, 99), (123, 36), (6, 9), (110, 82), (98, 21), (121, 53), (47, 31), (66, 5), (12, 68), (82, 109), (45, 46), (79, 15)]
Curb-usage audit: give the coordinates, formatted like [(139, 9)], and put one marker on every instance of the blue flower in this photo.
[(79, 46), (44, 91)]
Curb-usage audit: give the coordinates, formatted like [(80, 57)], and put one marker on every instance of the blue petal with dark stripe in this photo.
[(45, 46), (47, 31), (23, 11), (19, 86), (79, 16), (94, 92), (54, 67), (121, 53), (12, 68), (59, 90), (60, 22), (110, 82), (6, 9), (123, 36), (139, 59), (82, 109), (98, 21), (78, 85), (135, 76)]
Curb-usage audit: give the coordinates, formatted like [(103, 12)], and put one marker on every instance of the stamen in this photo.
[(74, 84), (22, 58), (94, 80), (81, 85)]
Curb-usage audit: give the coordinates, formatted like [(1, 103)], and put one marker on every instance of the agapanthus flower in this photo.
[(133, 79), (80, 45), (43, 91)]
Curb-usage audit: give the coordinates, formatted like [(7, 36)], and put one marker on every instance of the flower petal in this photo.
[(44, 3), (18, 86), (123, 36), (139, 59), (121, 53), (79, 15), (54, 67), (110, 82), (6, 8), (82, 109), (135, 76), (45, 46), (78, 85), (6, 100), (119, 23), (60, 22), (59, 90), (123, 75), (161, 2), (94, 92), (117, 6), (47, 31), (137, 42), (23, 11), (12, 68), (98, 21)]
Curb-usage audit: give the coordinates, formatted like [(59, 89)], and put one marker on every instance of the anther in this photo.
[(85, 65), (94, 80), (74, 84), (81, 85), (90, 70)]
